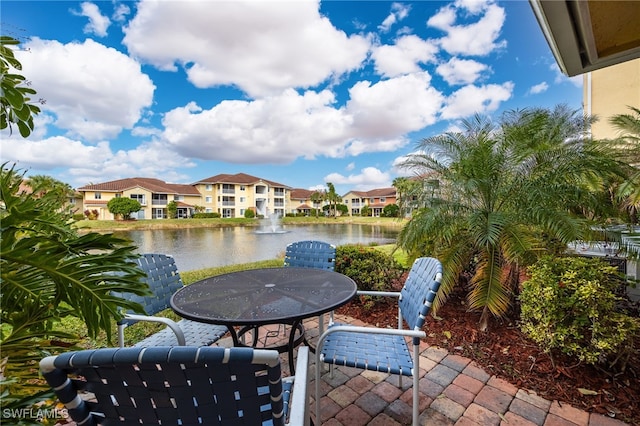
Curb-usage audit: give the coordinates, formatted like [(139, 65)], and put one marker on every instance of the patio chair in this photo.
[(179, 385), (164, 280), (382, 349), (311, 254)]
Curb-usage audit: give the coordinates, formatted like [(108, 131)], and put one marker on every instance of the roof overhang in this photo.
[(586, 35)]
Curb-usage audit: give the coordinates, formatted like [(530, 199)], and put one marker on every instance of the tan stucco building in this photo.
[(232, 195), (610, 91)]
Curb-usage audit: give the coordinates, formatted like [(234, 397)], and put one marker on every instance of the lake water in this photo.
[(197, 248)]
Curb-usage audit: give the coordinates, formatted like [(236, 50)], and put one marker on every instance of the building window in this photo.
[(118, 195), (178, 198), (383, 200), (97, 196), (243, 199), (242, 212), (208, 210), (139, 198), (208, 187), (208, 199), (242, 187)]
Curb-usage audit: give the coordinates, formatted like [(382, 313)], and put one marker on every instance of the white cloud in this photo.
[(98, 23), (121, 12), (461, 71), (403, 57), (539, 88), (94, 91), (260, 47), (368, 178), (280, 129), (95, 163), (479, 38), (350, 167), (399, 11), (470, 100), (393, 107)]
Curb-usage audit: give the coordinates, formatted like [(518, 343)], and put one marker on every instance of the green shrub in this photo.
[(371, 269), (249, 214), (569, 305), (206, 216)]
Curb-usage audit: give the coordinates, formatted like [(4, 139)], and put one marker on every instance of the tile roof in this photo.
[(378, 192), (239, 178), (154, 185), (301, 194)]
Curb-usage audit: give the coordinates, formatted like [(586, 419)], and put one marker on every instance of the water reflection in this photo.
[(196, 248)]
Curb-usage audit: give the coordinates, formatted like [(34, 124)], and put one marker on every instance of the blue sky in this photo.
[(298, 92)]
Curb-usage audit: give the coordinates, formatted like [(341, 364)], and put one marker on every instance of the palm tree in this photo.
[(333, 198), (628, 145), (505, 190), (316, 198)]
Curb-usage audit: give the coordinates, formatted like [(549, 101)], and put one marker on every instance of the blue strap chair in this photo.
[(180, 385), (310, 254), (383, 349), (164, 280)]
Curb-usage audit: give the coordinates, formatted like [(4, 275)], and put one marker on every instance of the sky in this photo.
[(300, 92)]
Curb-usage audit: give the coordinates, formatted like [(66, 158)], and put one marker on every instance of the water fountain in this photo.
[(271, 225)]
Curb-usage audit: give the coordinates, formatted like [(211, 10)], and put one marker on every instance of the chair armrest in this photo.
[(299, 406), (371, 330), (166, 321)]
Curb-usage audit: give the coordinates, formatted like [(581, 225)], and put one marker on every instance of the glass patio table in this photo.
[(253, 298)]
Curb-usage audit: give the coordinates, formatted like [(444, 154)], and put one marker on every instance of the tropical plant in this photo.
[(333, 198), (365, 211), (391, 210), (15, 93), (41, 184), (123, 207), (316, 198), (504, 191), (49, 272), (628, 145), (172, 209)]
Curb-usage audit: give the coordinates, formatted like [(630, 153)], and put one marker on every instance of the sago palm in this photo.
[(505, 191)]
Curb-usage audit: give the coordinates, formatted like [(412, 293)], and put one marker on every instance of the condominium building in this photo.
[(375, 199), (232, 195), (153, 195)]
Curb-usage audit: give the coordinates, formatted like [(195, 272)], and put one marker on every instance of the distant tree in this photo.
[(391, 210), (15, 108), (333, 198), (408, 191), (317, 198), (123, 207), (365, 211), (199, 209), (249, 214), (57, 190), (172, 209)]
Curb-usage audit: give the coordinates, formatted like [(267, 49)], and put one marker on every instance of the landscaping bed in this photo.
[(505, 352)]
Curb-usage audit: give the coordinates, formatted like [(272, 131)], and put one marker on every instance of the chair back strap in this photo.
[(163, 279), (420, 290), (311, 254), (162, 385)]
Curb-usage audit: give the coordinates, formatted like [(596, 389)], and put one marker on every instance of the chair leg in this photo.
[(416, 385)]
